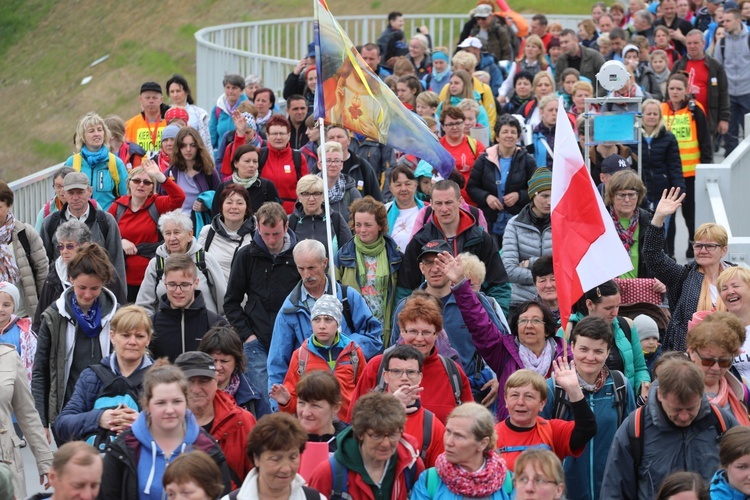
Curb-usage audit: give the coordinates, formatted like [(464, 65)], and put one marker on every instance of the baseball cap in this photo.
[(471, 41), (76, 180), (613, 164), (196, 364), (152, 86), (434, 246), (483, 10)]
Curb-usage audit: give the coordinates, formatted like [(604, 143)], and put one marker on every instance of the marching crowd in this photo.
[(171, 324)]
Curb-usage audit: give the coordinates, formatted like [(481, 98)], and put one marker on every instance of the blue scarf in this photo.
[(90, 323), (96, 157), (393, 211)]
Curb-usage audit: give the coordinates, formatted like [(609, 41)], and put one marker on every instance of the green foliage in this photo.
[(53, 151), (19, 17)]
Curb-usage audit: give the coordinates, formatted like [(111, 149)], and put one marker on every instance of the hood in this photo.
[(108, 305), (221, 102), (659, 417), (111, 363), (466, 221), (247, 227), (720, 488), (199, 303), (161, 250)]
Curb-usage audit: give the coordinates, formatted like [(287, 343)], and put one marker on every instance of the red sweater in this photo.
[(279, 168), (437, 395), (139, 227), (415, 427), (554, 433)]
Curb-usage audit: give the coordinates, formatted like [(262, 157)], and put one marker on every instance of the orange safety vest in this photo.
[(682, 124)]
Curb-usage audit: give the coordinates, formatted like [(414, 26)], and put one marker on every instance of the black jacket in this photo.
[(261, 191), (265, 281), (718, 95), (181, 330), (362, 172), (313, 227), (482, 181), (661, 166)]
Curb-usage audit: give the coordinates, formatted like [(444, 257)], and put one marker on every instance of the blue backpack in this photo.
[(340, 480)]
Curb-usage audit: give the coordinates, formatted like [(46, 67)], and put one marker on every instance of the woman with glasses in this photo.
[(308, 221), (342, 189), (539, 476), (692, 287), (712, 345), (137, 215), (469, 467), (374, 459)]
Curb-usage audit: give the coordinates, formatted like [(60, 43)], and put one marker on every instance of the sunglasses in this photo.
[(67, 246), (708, 362), (142, 181)]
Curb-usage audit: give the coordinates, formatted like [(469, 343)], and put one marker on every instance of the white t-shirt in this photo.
[(742, 362), (401, 231)]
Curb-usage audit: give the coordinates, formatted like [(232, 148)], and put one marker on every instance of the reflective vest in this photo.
[(682, 124)]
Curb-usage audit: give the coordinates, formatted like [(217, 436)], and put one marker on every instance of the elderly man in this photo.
[(643, 24), (293, 324), (103, 227), (217, 412), (76, 473), (651, 442)]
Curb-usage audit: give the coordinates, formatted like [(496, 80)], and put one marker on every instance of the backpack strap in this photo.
[(297, 160), (112, 167), (720, 419), (339, 480), (472, 145), (105, 374), (635, 431), (432, 481), (427, 420), (310, 494), (427, 214), (347, 308), (562, 404), (24, 241), (120, 211), (47, 208), (302, 357), (200, 262), (410, 477), (620, 393), (453, 376), (354, 357), (625, 327), (78, 160), (101, 218), (209, 238)]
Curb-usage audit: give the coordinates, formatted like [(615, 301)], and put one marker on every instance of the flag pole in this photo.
[(327, 202)]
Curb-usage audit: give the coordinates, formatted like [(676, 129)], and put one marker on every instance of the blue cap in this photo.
[(311, 49)]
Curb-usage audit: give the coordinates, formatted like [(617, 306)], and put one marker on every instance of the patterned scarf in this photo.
[(245, 183), (336, 193), (234, 384), (601, 379), (8, 269), (626, 235), (89, 322), (480, 484), (540, 364)]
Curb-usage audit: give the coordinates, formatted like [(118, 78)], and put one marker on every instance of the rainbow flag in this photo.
[(351, 95)]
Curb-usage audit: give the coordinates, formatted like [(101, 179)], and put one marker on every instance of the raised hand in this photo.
[(567, 378), (153, 170), (668, 205), (240, 124), (450, 266), (281, 394)]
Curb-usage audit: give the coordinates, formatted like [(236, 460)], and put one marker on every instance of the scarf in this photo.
[(626, 235), (480, 484), (383, 276), (601, 379), (234, 384), (90, 322), (8, 267), (245, 183), (336, 193), (727, 395), (94, 158), (540, 364)]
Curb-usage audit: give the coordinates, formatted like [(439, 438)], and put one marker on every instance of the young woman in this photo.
[(461, 87), (181, 96), (245, 173), (731, 482), (407, 89), (532, 61)]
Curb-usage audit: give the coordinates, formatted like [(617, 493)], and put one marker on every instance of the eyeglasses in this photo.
[(708, 362), (452, 125), (412, 374), (416, 333), (59, 187), (626, 195), (307, 194), (334, 162), (145, 182), (182, 286), (705, 246), (537, 481), (533, 321), (67, 246), (278, 134), (392, 437)]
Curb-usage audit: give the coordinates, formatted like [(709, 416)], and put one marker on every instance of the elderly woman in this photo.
[(626, 354), (177, 230), (181, 96), (224, 345), (58, 200), (106, 172), (220, 118), (86, 416), (528, 236), (74, 331), (606, 392), (135, 462), (231, 228), (734, 290), (308, 221), (469, 467), (419, 55), (403, 210), (498, 181), (692, 287), (374, 455), (23, 258), (137, 215), (318, 404), (245, 173), (275, 445), (539, 476), (342, 189), (370, 261), (712, 345)]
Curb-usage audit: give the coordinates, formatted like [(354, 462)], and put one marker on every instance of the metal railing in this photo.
[(30, 193)]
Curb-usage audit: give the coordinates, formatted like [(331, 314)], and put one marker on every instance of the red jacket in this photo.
[(415, 428), (343, 371), (437, 395), (139, 227), (406, 456), (231, 427), (279, 168)]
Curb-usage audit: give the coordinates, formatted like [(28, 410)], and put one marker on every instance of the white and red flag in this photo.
[(586, 249)]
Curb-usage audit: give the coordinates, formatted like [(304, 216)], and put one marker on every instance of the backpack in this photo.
[(347, 308), (304, 355), (310, 494), (450, 368), (427, 421), (200, 263), (635, 432), (562, 404), (24, 241), (116, 391), (723, 43), (111, 166), (101, 219), (340, 480)]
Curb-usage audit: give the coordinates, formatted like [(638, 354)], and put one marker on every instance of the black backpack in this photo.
[(562, 404)]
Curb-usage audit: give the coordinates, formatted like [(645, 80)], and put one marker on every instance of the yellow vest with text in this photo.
[(682, 124)]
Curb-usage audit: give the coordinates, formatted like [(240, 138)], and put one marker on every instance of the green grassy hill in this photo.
[(47, 47)]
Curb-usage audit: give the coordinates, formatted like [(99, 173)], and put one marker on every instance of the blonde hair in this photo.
[(138, 171), (309, 183), (465, 61), (540, 59), (713, 232), (330, 147), (473, 267), (91, 119), (539, 77), (731, 273), (483, 423), (428, 98)]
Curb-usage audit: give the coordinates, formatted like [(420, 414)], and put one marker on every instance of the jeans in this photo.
[(257, 370), (739, 105)]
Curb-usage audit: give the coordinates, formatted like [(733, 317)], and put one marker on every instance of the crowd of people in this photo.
[(172, 323)]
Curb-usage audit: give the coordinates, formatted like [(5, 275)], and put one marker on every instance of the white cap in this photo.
[(471, 41)]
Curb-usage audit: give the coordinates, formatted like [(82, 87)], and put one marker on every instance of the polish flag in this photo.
[(586, 249)]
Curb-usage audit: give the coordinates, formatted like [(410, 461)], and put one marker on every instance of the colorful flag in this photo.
[(351, 95), (586, 249)]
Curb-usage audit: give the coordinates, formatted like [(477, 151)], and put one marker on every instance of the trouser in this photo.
[(257, 366), (688, 213), (739, 106)]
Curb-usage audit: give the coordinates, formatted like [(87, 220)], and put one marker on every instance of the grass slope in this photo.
[(46, 49)]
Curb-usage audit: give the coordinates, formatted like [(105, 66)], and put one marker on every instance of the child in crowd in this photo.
[(407, 90), (569, 78), (470, 108), (482, 76), (15, 330), (648, 332), (427, 104), (660, 66)]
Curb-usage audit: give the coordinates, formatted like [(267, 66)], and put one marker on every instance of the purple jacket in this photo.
[(498, 349)]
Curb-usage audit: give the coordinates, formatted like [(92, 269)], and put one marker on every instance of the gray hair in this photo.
[(546, 100), (313, 247), (176, 217), (308, 183), (645, 15), (73, 230), (423, 41)]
